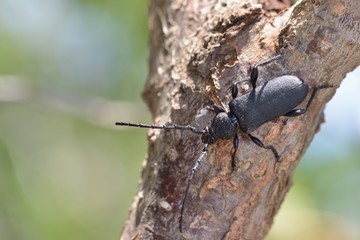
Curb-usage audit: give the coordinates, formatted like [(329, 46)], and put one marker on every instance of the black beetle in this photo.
[(275, 98)]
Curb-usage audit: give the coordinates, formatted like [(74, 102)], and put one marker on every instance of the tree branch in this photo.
[(197, 50)]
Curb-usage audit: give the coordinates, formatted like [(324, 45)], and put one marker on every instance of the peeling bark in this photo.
[(197, 50)]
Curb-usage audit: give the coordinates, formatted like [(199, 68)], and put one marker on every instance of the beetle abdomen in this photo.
[(268, 102)]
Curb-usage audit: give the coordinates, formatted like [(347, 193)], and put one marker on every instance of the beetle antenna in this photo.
[(166, 127), (193, 170)]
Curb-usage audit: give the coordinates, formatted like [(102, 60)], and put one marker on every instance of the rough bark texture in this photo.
[(197, 50)]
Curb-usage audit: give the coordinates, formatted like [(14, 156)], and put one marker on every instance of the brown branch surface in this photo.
[(197, 50)]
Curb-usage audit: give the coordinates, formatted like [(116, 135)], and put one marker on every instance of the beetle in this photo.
[(264, 103)]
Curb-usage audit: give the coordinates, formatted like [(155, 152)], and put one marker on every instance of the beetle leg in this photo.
[(216, 108), (236, 146), (234, 91), (261, 144), (267, 61), (297, 112), (255, 72), (254, 76)]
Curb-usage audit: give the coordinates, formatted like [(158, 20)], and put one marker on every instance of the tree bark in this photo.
[(197, 50)]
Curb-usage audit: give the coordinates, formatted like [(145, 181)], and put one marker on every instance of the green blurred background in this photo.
[(68, 71)]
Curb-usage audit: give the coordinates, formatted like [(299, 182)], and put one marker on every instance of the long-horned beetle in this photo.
[(277, 97)]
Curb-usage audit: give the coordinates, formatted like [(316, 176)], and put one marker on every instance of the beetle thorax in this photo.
[(222, 127)]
